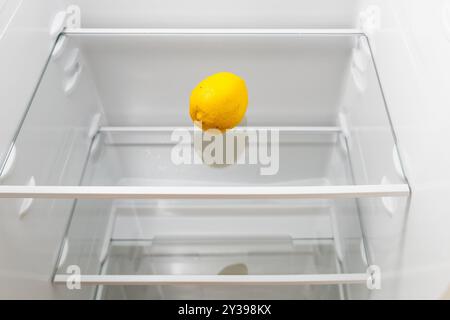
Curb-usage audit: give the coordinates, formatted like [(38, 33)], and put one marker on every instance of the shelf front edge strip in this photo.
[(181, 31), (321, 279), (118, 129), (128, 192)]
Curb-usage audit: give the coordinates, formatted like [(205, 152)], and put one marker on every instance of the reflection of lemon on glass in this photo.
[(219, 101)]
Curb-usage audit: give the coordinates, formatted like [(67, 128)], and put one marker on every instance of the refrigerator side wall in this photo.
[(412, 49), (54, 130)]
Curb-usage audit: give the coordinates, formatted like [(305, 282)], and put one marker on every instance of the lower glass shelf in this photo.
[(214, 268)]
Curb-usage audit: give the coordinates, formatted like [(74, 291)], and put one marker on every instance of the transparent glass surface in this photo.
[(189, 237), (319, 93), (222, 257)]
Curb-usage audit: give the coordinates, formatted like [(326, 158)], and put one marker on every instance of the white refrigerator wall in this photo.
[(216, 14), (27, 252), (56, 138), (411, 48)]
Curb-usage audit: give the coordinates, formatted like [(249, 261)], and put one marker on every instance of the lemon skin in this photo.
[(219, 101)]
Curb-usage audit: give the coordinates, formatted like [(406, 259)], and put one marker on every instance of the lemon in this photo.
[(219, 101)]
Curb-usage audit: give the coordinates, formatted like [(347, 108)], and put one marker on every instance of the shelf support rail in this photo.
[(292, 129), (209, 31), (206, 192), (371, 280)]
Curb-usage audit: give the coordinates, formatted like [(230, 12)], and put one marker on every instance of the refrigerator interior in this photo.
[(129, 80), (98, 112)]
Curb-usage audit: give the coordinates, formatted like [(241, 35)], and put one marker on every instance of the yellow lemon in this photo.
[(219, 101)]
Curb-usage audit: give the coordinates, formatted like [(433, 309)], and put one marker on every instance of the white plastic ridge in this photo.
[(144, 31), (319, 279), (186, 192)]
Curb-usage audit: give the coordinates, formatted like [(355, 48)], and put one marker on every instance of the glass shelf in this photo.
[(274, 268), (133, 83)]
